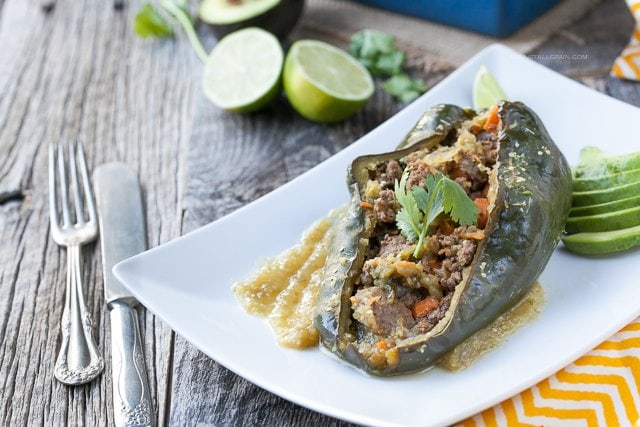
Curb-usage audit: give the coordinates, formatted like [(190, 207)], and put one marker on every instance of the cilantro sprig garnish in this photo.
[(151, 21), (404, 88), (378, 51), (421, 206)]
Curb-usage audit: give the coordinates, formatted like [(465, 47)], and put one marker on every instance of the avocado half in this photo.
[(276, 16)]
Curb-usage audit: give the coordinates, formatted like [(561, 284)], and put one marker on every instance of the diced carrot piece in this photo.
[(366, 205), (482, 203), (381, 345), (492, 119), (423, 307)]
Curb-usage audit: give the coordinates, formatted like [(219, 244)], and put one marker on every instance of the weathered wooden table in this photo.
[(73, 68)]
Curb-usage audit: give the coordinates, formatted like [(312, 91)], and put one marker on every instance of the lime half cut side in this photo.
[(323, 83), (486, 90), (243, 70)]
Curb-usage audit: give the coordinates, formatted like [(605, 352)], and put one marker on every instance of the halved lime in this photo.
[(486, 90), (242, 73), (323, 83)]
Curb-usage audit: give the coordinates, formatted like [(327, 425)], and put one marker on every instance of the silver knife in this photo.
[(122, 234)]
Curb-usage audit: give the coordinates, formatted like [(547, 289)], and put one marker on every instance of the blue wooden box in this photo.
[(494, 17)]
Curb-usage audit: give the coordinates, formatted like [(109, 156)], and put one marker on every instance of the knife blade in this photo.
[(122, 235)]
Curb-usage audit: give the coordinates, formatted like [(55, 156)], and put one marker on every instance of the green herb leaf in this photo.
[(371, 43), (434, 208), (150, 23), (421, 196), (388, 64), (377, 51), (409, 218), (421, 206), (431, 181), (457, 204), (407, 225), (404, 88)]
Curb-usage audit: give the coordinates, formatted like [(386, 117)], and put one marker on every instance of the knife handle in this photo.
[(131, 397)]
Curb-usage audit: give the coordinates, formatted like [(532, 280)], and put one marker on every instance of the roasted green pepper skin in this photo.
[(532, 204), (346, 254), (439, 120)]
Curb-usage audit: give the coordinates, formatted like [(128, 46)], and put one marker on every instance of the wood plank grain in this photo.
[(586, 50), (79, 71), (204, 392), (589, 46), (75, 69), (234, 159)]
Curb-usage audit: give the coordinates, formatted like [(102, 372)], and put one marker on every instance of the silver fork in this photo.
[(79, 360)]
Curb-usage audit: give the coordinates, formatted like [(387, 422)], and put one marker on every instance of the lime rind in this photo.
[(243, 71), (486, 89)]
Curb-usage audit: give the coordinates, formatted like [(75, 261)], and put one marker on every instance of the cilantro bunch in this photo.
[(149, 22), (378, 52), (156, 21), (420, 206)]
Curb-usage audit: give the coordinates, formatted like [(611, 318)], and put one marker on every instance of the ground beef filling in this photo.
[(386, 206), (397, 296)]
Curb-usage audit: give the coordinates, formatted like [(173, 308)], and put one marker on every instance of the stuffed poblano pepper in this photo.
[(441, 236)]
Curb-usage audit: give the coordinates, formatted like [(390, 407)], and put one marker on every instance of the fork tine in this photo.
[(88, 191), (53, 207), (74, 183), (66, 221)]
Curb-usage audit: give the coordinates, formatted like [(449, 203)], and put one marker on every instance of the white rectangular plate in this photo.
[(187, 282)]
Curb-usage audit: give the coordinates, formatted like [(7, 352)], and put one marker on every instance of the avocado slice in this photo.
[(603, 242), (604, 222), (596, 197), (616, 205), (232, 11), (602, 182), (591, 155), (593, 165), (275, 16)]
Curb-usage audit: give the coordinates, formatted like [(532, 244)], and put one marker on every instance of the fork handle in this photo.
[(131, 396), (79, 360)]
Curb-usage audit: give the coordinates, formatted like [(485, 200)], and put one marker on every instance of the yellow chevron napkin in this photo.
[(601, 388), (627, 65)]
